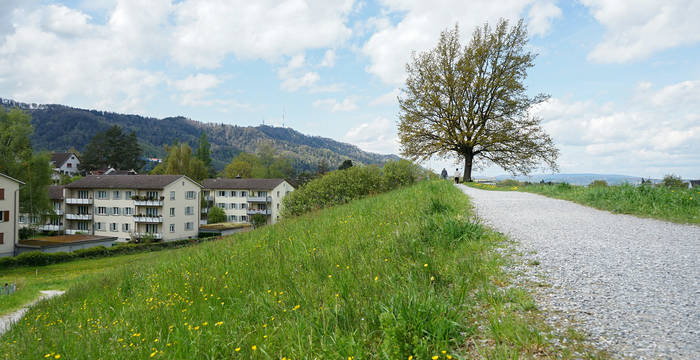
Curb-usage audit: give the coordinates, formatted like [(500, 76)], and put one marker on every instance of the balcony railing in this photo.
[(146, 234), (58, 211), (263, 212), (74, 231), (148, 202), (205, 210), (50, 227), (148, 219), (78, 201), (259, 199), (79, 216)]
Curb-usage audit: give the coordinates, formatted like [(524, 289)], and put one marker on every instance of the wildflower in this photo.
[(205, 323), (449, 357), (296, 307), (435, 357), (330, 276), (425, 265), (154, 353), (237, 349), (410, 357), (254, 347), (443, 352), (57, 356), (376, 278), (219, 323)]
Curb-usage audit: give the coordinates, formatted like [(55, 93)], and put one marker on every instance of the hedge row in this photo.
[(342, 186), (38, 258)]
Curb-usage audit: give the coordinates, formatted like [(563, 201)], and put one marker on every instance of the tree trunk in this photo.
[(468, 167)]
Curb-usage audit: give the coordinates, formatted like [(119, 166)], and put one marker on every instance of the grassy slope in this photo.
[(392, 276), (677, 205)]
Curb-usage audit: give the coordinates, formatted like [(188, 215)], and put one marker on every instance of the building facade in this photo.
[(9, 209), (242, 198), (159, 207), (64, 164)]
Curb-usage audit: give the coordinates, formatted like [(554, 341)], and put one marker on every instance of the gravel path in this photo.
[(6, 321), (632, 284)]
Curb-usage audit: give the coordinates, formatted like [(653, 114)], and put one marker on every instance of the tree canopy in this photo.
[(216, 215), (180, 161), (204, 154), (18, 161), (265, 164), (114, 148), (471, 101)]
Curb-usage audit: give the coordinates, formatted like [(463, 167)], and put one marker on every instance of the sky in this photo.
[(623, 75)]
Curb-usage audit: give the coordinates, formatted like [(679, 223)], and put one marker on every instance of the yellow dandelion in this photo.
[(254, 347), (444, 352), (219, 323), (376, 278), (205, 323), (449, 357), (410, 357), (57, 356), (425, 265), (435, 357), (237, 349), (154, 353)]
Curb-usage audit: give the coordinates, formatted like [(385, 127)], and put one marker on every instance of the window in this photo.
[(83, 194), (232, 218), (278, 194), (172, 227), (113, 227), (172, 211), (84, 225), (234, 206), (172, 195), (99, 226), (233, 194), (2, 238), (221, 193), (101, 210), (151, 228), (278, 206), (221, 205), (189, 225), (128, 211), (153, 195), (116, 195), (125, 227), (244, 193), (244, 206), (101, 194), (189, 195), (262, 193), (22, 219), (128, 195), (151, 211), (189, 210), (287, 193), (69, 165), (5, 216), (2, 194), (84, 210), (115, 211), (244, 218)]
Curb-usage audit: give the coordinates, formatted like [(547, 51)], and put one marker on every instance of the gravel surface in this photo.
[(631, 284), (8, 320)]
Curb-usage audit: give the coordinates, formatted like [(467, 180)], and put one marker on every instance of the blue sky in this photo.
[(623, 76)]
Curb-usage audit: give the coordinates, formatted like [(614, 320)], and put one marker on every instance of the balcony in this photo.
[(158, 236), (205, 210), (148, 202), (58, 211), (76, 232), (78, 201), (262, 212), (259, 199), (79, 216), (50, 227), (148, 219)]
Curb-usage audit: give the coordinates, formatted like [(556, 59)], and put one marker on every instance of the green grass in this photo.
[(386, 277), (676, 205)]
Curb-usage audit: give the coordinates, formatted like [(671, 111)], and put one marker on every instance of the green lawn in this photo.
[(402, 275)]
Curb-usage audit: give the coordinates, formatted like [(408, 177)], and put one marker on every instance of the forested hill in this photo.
[(58, 127)]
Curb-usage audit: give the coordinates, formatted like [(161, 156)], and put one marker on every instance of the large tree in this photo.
[(181, 161), (204, 154), (114, 148), (18, 161), (471, 101)]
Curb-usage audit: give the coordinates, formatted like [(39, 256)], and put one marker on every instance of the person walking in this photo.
[(444, 174), (457, 176)]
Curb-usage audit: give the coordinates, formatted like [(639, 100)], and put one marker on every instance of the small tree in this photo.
[(674, 182), (345, 165), (216, 215), (258, 220)]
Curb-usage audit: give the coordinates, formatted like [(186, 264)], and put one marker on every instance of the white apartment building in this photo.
[(9, 208), (49, 222), (242, 198), (163, 207)]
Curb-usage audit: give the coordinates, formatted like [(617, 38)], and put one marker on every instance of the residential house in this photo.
[(65, 163), (163, 207), (242, 198), (48, 222), (9, 208)]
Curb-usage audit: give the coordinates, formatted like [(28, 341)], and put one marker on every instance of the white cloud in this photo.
[(389, 48), (386, 99), (328, 58), (378, 136), (209, 31), (657, 132), (196, 90), (348, 104), (199, 82), (295, 83), (636, 29)]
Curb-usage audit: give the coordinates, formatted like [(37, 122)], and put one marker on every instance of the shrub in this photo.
[(598, 183), (258, 220), (401, 173), (510, 183), (673, 181), (216, 215), (26, 233)]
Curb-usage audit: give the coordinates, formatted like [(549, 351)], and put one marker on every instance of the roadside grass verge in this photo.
[(676, 205), (402, 275)]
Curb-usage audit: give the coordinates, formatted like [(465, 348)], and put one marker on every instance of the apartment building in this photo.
[(162, 207), (242, 198), (9, 207), (48, 222)]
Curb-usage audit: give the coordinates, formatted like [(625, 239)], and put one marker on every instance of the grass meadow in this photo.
[(659, 202), (401, 275)]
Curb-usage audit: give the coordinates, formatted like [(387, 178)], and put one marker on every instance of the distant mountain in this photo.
[(573, 179), (58, 127)]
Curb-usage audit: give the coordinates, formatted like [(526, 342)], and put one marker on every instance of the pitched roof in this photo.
[(55, 192), (11, 178), (59, 158), (252, 184), (125, 181)]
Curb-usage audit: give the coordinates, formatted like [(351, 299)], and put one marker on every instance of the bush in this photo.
[(401, 173), (674, 182), (510, 183), (216, 215), (598, 183), (26, 232)]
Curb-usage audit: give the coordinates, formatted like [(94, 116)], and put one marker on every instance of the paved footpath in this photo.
[(6, 321), (632, 284)]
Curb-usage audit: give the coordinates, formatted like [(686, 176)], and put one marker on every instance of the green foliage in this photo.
[(67, 179), (342, 186), (204, 154), (17, 160), (345, 165), (258, 220), (216, 215), (266, 164), (25, 233), (180, 161), (112, 148), (454, 92), (674, 181), (595, 183), (353, 281)]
